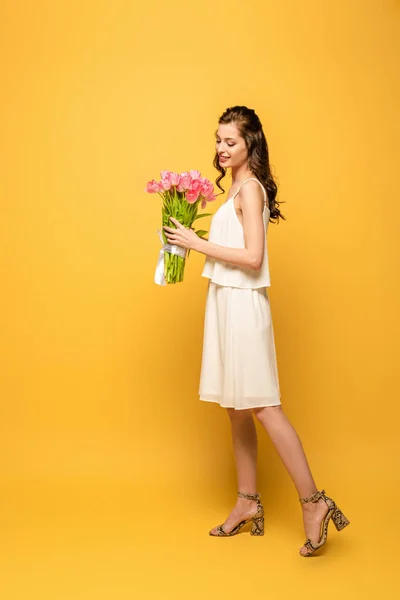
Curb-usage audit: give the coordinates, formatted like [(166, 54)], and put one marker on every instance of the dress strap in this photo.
[(255, 179)]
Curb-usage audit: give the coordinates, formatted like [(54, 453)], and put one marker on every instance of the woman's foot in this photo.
[(313, 515), (244, 509)]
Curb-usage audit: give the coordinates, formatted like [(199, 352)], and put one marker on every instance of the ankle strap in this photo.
[(313, 498), (255, 496)]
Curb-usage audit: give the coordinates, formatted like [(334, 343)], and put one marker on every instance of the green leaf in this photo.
[(202, 215), (201, 232)]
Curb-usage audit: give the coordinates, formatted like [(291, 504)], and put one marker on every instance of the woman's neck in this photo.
[(240, 174)]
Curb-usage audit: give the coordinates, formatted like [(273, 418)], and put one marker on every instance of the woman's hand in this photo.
[(182, 236)]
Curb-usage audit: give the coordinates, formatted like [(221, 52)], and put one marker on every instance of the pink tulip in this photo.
[(196, 185), (165, 184), (195, 174), (175, 178), (152, 187), (184, 182), (192, 195), (207, 187), (210, 197), (170, 176), (195, 191)]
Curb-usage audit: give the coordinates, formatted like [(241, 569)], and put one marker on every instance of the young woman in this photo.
[(239, 367)]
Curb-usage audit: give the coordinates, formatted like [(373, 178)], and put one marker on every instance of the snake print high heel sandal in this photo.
[(334, 513), (257, 527)]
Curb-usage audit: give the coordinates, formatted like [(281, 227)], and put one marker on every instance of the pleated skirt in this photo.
[(239, 365)]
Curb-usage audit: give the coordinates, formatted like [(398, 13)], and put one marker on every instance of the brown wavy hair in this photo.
[(250, 129)]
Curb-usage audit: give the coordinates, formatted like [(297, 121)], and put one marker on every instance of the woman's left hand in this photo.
[(182, 236)]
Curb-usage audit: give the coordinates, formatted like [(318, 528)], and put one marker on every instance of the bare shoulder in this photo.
[(251, 195)]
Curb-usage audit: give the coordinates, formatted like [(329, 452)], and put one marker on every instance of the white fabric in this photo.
[(239, 367), (227, 230)]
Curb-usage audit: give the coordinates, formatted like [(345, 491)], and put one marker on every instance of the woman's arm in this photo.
[(251, 202)]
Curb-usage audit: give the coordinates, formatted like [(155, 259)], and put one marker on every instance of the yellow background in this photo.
[(112, 470)]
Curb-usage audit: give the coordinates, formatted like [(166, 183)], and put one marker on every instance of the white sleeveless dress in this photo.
[(239, 366)]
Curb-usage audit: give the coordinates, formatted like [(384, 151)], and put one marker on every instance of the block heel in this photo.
[(339, 520), (257, 527), (334, 513)]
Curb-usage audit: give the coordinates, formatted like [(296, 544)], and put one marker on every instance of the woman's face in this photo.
[(230, 146)]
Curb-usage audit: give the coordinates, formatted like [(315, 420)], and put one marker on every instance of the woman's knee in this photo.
[(239, 415), (266, 413)]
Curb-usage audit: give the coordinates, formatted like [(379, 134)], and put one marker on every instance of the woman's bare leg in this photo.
[(244, 438), (289, 447)]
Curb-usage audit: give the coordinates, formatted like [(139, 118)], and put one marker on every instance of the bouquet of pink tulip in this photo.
[(181, 193)]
